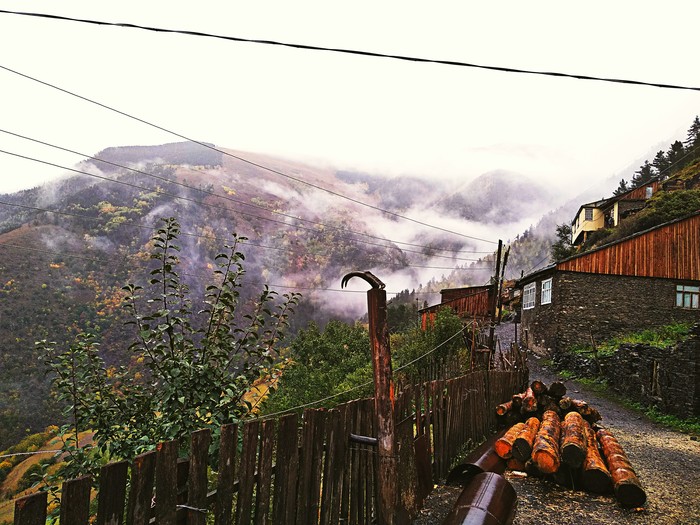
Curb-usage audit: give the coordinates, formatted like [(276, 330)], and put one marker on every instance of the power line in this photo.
[(372, 54), (231, 199), (257, 165), (201, 203), (187, 274)]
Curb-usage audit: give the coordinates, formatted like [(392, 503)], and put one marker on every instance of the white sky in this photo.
[(371, 114)]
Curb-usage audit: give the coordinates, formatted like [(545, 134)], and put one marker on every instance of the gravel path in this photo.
[(667, 463)]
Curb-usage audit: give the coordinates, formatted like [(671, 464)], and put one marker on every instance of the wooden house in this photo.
[(470, 302), (607, 213), (649, 279)]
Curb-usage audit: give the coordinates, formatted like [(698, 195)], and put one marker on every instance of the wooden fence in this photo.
[(291, 470)]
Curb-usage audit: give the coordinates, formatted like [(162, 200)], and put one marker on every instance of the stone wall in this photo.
[(668, 378), (598, 307)]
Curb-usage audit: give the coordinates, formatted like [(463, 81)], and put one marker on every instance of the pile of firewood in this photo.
[(551, 434)]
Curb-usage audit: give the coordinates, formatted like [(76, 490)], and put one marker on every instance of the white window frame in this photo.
[(529, 293), (688, 296), (546, 291)]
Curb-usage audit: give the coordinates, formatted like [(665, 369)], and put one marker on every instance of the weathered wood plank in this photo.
[(111, 499), (286, 470), (223, 511), (197, 483), (262, 498), (75, 501), (31, 510), (244, 507), (143, 470), (166, 483)]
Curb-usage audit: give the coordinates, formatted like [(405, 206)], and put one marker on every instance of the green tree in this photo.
[(644, 174), (324, 363), (661, 163), (562, 247), (621, 188), (189, 370)]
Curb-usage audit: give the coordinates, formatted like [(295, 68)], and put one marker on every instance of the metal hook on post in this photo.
[(387, 475)]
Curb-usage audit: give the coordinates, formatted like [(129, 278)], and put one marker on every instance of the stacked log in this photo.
[(628, 489), (538, 398), (522, 445), (573, 440), (561, 439), (504, 444), (545, 451), (595, 476)]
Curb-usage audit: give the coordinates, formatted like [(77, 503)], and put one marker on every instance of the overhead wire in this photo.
[(249, 162), (229, 198), (406, 58), (213, 206)]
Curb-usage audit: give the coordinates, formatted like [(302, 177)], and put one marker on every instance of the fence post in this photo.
[(387, 479)]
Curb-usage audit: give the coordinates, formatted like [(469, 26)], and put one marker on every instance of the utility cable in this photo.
[(372, 54), (257, 165), (229, 198), (213, 206)]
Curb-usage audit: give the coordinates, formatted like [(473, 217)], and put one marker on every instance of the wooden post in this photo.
[(387, 480), (500, 286), (494, 304)]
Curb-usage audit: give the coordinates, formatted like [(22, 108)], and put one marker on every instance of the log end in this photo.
[(597, 481), (630, 494)]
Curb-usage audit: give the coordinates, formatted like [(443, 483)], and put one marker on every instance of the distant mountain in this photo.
[(68, 247), (498, 197)]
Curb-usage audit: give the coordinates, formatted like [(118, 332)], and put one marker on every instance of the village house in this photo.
[(607, 213), (649, 279), (469, 303)]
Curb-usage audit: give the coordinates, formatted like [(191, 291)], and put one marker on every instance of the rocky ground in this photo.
[(667, 463)]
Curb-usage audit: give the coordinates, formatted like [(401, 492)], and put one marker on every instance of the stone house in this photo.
[(649, 279)]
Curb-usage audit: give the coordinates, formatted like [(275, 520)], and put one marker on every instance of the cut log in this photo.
[(568, 477), (504, 445), (504, 407), (628, 489), (588, 412), (538, 387), (517, 400), (545, 402), (522, 446), (565, 403), (557, 389), (545, 451), (529, 402), (573, 440), (595, 476)]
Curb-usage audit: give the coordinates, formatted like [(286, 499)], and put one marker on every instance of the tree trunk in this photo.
[(628, 489), (545, 452)]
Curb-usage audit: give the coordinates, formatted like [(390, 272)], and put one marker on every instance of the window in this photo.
[(687, 296), (650, 191), (546, 291), (529, 296), (589, 214)]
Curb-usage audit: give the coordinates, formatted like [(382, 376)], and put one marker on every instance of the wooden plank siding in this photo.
[(477, 304), (669, 251)]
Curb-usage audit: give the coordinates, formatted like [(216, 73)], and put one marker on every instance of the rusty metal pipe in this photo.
[(489, 499), (481, 459)]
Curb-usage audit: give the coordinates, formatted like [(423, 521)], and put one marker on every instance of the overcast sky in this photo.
[(353, 112)]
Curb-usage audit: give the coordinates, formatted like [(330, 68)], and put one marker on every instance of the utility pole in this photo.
[(494, 303), (387, 477)]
